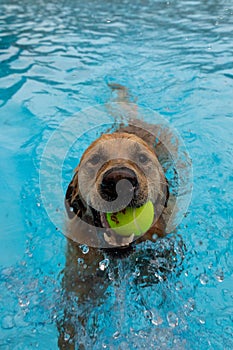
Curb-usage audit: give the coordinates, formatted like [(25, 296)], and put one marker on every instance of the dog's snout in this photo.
[(112, 177)]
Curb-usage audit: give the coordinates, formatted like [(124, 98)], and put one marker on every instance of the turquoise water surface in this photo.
[(175, 57)]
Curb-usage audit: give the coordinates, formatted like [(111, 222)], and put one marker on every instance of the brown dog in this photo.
[(129, 156), (93, 190)]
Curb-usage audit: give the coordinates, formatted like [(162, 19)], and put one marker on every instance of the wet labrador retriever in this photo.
[(117, 170), (128, 156)]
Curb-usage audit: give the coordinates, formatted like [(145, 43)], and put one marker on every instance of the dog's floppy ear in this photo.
[(73, 201)]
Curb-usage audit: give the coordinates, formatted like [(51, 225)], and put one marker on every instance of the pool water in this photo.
[(175, 57)]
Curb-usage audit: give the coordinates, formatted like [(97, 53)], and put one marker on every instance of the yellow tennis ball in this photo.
[(132, 220)]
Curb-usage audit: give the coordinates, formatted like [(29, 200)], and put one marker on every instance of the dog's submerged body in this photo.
[(129, 153)]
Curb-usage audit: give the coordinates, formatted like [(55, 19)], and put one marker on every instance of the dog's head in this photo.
[(116, 171)]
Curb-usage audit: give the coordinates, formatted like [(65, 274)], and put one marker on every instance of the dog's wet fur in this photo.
[(113, 156)]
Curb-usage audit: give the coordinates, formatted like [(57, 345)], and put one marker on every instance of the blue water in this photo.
[(176, 58)]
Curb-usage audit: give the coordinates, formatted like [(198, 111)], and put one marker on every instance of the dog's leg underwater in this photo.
[(84, 285)]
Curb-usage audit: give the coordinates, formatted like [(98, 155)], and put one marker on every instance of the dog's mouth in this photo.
[(112, 238), (119, 188), (125, 226)]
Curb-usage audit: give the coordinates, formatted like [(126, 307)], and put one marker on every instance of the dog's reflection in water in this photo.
[(129, 153)]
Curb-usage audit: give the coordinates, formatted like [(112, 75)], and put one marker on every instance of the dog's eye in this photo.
[(94, 160), (143, 158)]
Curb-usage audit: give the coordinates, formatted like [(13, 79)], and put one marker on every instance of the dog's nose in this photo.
[(112, 177)]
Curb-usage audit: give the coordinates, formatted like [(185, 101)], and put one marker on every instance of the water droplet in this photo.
[(202, 321), (204, 279), (24, 303), (190, 304), (8, 322), (136, 273), (66, 337), (172, 319), (80, 261), (154, 237), (103, 264), (116, 335), (148, 314), (156, 320), (84, 248), (219, 275)]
